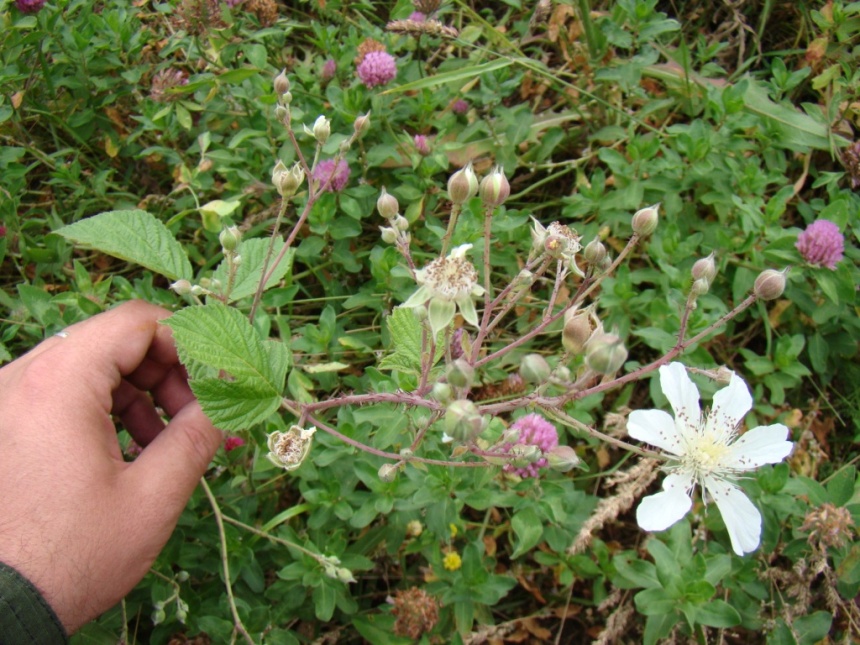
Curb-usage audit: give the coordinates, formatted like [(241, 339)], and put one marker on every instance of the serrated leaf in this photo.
[(405, 331), (135, 236), (222, 337), (250, 271), (234, 405)]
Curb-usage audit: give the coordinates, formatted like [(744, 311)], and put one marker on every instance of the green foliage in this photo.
[(593, 111)]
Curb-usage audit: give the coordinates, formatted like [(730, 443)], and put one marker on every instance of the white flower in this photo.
[(708, 452), (289, 449), (447, 283)]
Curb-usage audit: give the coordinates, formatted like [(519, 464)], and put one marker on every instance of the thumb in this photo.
[(170, 467)]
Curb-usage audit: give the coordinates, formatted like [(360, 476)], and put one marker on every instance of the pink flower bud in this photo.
[(645, 220), (769, 285)]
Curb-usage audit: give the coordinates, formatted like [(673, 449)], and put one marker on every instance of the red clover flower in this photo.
[(533, 430), (339, 174), (377, 68), (821, 244)]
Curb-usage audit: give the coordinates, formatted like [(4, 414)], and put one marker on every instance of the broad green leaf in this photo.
[(222, 337), (528, 530), (234, 405), (812, 628), (324, 599), (250, 271), (406, 334), (135, 236), (841, 486), (718, 613)]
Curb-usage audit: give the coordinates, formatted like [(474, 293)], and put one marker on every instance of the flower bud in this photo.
[(237, 260), (182, 576), (534, 368), (361, 125), (286, 98), (705, 268), (198, 290), (700, 287), (645, 220), (287, 182), (460, 373), (594, 252), (182, 287), (463, 185), (322, 129), (282, 83), (281, 112), (577, 330), (345, 575), (563, 459), (495, 188), (387, 205), (158, 616), (401, 223), (278, 173), (441, 392), (605, 353), (769, 285), (388, 472), (523, 454), (414, 528), (229, 238), (463, 421), (389, 235)]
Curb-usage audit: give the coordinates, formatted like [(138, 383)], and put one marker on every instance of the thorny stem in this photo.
[(561, 417), (488, 286), (219, 520), (452, 222), (261, 287)]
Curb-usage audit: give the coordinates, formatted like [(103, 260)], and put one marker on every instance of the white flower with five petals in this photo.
[(706, 450)]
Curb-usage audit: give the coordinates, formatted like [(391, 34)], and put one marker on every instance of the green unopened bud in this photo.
[(700, 287), (645, 220), (524, 279), (460, 373), (705, 268), (605, 263), (345, 575), (278, 173), (577, 330), (322, 129), (463, 421), (281, 112), (495, 188), (182, 287), (524, 454), (563, 459), (401, 223), (534, 368), (605, 353), (389, 235), (387, 205), (198, 290), (361, 125), (287, 98), (388, 472), (770, 284), (182, 576), (594, 252), (441, 392), (158, 616), (282, 83), (229, 238), (287, 182), (463, 185)]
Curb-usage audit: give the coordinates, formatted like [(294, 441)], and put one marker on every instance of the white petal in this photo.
[(659, 512), (759, 446), (682, 394), (657, 428), (742, 519), (731, 405), (467, 308)]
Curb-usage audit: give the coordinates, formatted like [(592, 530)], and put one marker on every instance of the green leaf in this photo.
[(798, 131), (718, 613), (658, 627), (135, 236), (841, 486), (463, 74), (812, 628), (528, 530), (250, 271), (654, 602), (324, 599), (405, 331), (233, 405)]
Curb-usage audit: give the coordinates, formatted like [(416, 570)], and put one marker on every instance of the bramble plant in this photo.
[(427, 278)]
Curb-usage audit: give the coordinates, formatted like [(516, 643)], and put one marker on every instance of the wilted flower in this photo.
[(29, 6), (377, 68), (460, 106), (417, 612), (421, 145), (706, 451), (289, 449), (828, 525), (821, 244), (445, 285), (559, 241), (851, 159), (165, 80), (339, 174), (532, 430)]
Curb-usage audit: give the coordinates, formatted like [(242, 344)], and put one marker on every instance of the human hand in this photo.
[(78, 521)]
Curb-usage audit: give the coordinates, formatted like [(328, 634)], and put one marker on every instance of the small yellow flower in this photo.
[(454, 530), (452, 561)]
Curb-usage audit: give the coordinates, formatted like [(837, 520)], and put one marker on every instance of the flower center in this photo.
[(450, 278), (705, 453)]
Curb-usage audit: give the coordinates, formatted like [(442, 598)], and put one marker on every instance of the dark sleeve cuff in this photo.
[(25, 617)]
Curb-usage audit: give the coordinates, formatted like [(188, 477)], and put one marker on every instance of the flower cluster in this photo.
[(377, 68), (164, 81), (338, 172), (421, 144), (460, 106), (532, 430), (706, 450), (329, 69), (821, 244)]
